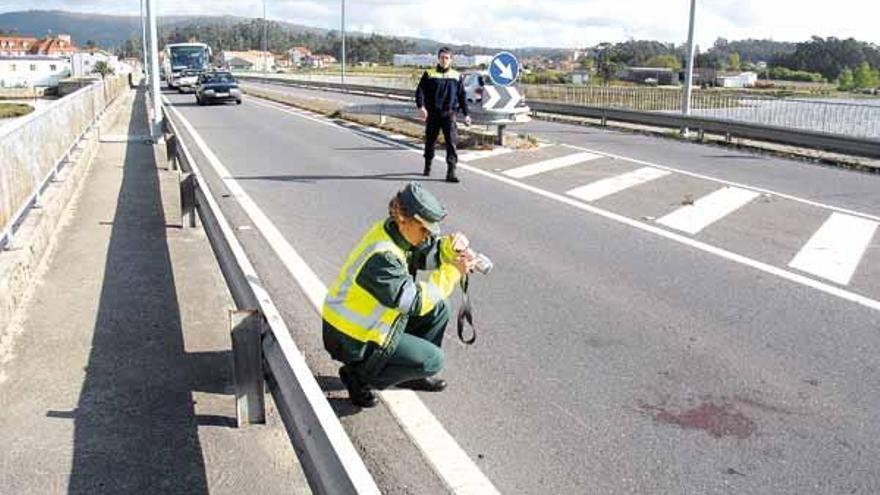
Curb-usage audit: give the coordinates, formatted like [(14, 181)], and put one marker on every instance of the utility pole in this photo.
[(343, 41), (144, 39), (689, 75), (155, 92), (265, 38)]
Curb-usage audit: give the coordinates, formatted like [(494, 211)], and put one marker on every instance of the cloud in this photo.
[(516, 23)]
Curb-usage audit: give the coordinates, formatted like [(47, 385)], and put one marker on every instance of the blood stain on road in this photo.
[(718, 420)]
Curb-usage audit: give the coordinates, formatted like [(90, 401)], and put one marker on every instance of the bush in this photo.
[(785, 74), (8, 110)]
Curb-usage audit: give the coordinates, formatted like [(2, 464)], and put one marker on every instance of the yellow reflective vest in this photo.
[(352, 310)]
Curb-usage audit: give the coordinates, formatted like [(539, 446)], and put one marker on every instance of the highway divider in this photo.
[(836, 143), (264, 348)]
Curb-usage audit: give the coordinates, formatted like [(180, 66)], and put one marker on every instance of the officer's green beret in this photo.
[(423, 206)]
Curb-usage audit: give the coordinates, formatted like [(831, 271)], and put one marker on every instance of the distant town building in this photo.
[(83, 63), (15, 46), (742, 80), (298, 54), (318, 61), (251, 60), (12, 46), (649, 75), (33, 71), (581, 77), (429, 60)]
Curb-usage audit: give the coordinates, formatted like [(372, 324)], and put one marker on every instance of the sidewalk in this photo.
[(121, 380)]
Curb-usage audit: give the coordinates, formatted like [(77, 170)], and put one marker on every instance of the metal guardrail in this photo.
[(794, 137), (838, 143), (34, 149), (262, 346)]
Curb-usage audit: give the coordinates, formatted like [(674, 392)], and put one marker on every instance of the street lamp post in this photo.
[(265, 39), (689, 75), (155, 93), (144, 38), (343, 41)]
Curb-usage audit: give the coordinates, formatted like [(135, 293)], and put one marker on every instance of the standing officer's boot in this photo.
[(450, 174), (427, 170)]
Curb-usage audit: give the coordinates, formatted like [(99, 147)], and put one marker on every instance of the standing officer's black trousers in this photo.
[(435, 123)]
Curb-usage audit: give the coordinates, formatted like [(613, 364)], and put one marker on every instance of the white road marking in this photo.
[(606, 187), (329, 422), (728, 183), (672, 236), (479, 155), (708, 209), (835, 250), (548, 165), (449, 460)]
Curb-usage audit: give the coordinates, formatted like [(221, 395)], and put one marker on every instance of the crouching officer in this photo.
[(386, 327), (439, 96)]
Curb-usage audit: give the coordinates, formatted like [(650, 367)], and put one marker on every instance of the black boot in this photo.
[(429, 384), (450, 174), (427, 170), (358, 392)]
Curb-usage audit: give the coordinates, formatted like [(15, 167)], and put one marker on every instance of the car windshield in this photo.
[(219, 78)]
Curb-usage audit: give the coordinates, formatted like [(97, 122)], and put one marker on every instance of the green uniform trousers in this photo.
[(414, 354)]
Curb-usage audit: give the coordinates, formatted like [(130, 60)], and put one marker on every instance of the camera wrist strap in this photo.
[(465, 314)]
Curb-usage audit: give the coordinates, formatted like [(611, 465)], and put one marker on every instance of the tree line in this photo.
[(249, 35)]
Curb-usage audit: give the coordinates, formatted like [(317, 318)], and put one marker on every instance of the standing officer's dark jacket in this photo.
[(441, 92)]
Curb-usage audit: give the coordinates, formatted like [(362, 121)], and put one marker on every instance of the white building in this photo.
[(33, 71), (429, 60), (253, 60), (298, 54), (743, 80), (83, 63)]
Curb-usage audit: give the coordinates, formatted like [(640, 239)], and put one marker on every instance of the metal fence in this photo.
[(857, 118), (33, 149)]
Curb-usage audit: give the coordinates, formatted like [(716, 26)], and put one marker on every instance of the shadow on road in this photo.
[(135, 425)]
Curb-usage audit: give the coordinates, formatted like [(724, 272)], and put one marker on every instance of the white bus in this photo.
[(177, 57)]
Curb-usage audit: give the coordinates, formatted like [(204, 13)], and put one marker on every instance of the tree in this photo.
[(845, 83), (91, 45), (102, 68), (667, 61), (735, 61), (864, 77)]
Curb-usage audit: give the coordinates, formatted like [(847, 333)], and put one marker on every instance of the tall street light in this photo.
[(343, 41), (155, 93), (265, 38), (689, 75)]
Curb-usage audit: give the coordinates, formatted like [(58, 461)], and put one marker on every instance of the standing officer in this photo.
[(439, 96), (383, 324)]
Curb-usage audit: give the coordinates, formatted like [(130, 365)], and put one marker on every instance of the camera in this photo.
[(482, 263)]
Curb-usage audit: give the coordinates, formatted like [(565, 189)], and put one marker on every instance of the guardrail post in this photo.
[(188, 205), (246, 328), (500, 140), (171, 150)]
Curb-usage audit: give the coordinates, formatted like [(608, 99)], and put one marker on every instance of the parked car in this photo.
[(188, 80), (217, 86), (475, 84)]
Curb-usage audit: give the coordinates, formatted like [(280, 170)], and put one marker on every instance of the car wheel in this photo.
[(238, 102)]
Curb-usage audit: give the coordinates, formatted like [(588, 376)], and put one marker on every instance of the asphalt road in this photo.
[(611, 358)]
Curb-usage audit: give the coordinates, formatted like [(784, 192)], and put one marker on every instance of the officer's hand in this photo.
[(467, 120), (460, 242), (424, 113), (465, 262)]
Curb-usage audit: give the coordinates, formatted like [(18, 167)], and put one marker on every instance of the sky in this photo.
[(550, 23)]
